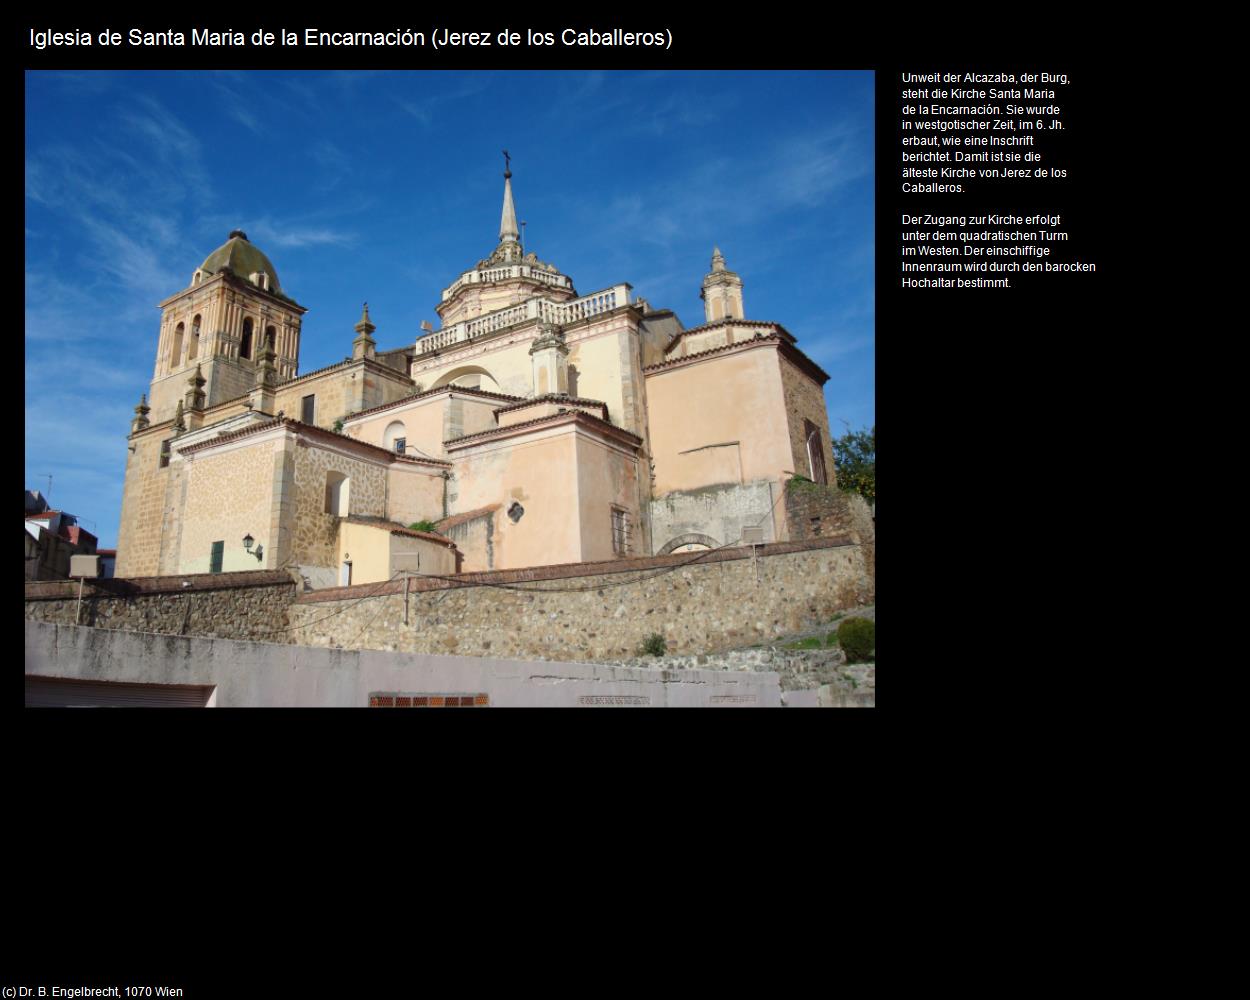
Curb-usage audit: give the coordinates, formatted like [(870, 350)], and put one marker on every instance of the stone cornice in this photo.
[(768, 324), (552, 397), (229, 279), (787, 351), (429, 392), (575, 417), (300, 429)]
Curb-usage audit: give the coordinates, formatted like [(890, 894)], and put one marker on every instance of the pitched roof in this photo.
[(730, 321), (430, 392), (553, 397), (395, 528), (786, 350), (469, 515), (312, 431), (568, 416)]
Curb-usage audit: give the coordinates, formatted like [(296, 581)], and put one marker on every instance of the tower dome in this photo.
[(239, 257)]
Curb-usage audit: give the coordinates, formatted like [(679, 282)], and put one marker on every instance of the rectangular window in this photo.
[(214, 563), (400, 443), (309, 409), (165, 452), (620, 531)]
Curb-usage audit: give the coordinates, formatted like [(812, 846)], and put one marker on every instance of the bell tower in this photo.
[(219, 324)]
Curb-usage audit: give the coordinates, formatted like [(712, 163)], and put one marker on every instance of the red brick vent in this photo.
[(397, 699)]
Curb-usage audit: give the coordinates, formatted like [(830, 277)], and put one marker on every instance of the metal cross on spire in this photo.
[(507, 164)]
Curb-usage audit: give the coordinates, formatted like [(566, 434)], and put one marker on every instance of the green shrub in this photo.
[(858, 638), (653, 645), (422, 526)]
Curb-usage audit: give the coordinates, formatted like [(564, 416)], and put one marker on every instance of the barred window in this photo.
[(620, 531)]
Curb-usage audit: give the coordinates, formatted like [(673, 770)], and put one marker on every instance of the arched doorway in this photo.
[(688, 542)]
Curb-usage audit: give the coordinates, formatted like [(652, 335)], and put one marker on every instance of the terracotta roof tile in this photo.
[(552, 397), (469, 515), (570, 416), (787, 350), (395, 528), (727, 322), (429, 392), (313, 431)]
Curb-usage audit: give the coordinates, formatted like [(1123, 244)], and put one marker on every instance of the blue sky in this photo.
[(385, 186)]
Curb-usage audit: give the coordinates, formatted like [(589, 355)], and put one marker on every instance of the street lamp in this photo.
[(248, 542)]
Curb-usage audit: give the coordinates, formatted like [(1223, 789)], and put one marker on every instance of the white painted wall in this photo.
[(262, 674)]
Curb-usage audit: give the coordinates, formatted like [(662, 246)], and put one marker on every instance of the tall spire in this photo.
[(508, 231)]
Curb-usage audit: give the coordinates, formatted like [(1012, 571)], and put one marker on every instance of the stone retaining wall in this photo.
[(699, 601), (247, 605), (815, 511), (799, 669)]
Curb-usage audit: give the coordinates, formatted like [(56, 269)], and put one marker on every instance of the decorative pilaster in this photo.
[(550, 360), (141, 420), (195, 390), (262, 396), (364, 346)]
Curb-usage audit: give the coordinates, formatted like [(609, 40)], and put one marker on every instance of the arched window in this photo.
[(245, 348), (271, 338), (470, 377), (338, 488), (395, 437), (815, 452), (193, 347), (175, 351)]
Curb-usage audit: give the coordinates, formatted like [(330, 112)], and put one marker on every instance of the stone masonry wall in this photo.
[(699, 601), (143, 505), (721, 513), (814, 511), (805, 400), (222, 605), (314, 538)]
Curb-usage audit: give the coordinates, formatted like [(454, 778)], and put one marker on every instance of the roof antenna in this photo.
[(522, 236), (47, 496)]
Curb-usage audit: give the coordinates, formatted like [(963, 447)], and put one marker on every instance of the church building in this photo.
[(535, 426)]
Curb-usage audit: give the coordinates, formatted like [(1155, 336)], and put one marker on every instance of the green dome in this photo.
[(240, 257)]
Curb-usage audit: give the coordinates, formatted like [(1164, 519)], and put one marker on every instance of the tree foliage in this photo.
[(856, 455)]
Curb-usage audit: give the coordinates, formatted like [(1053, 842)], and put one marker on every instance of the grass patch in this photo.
[(830, 641)]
